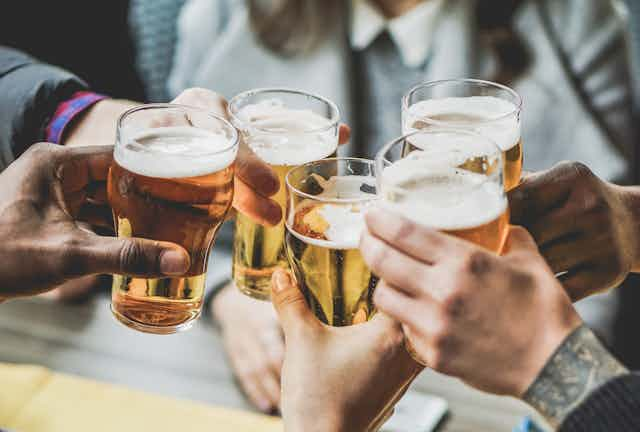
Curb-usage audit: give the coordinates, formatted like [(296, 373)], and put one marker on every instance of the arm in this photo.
[(30, 92), (579, 367)]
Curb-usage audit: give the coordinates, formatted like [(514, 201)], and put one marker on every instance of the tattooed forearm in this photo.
[(579, 366)]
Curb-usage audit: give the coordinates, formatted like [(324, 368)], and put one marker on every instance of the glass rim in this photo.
[(234, 139), (334, 119), (297, 191), (518, 99), (380, 158)]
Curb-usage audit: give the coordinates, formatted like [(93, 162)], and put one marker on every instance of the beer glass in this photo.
[(326, 201), (447, 179), (171, 180), (285, 128), (488, 108)]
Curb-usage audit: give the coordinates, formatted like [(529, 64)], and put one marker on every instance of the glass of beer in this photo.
[(285, 128), (326, 201), (171, 180), (488, 108), (447, 179)]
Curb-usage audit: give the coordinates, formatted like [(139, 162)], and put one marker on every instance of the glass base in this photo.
[(151, 329), (255, 291)]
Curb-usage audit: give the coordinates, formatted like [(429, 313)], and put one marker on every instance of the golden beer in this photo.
[(285, 135), (453, 183), (159, 200), (487, 108), (323, 232)]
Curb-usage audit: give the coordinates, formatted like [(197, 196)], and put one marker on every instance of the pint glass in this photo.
[(488, 108), (325, 218), (447, 179), (285, 128), (171, 180)]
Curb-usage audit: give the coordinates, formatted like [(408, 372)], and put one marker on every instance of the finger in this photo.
[(423, 244), (584, 282), (97, 192), (256, 174), (204, 99), (539, 193), (270, 383), (344, 134), (96, 215), (74, 290), (397, 305), (263, 210), (289, 303), (273, 344), (396, 268), (132, 256), (74, 202), (519, 240), (78, 166), (255, 392), (553, 225)]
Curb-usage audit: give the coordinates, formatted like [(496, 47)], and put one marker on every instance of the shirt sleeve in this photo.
[(67, 111), (30, 93), (615, 406)]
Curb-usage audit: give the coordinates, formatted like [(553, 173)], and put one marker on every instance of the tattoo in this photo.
[(578, 367)]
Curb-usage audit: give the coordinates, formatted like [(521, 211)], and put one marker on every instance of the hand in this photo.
[(43, 194), (491, 321), (338, 378), (254, 343), (583, 226)]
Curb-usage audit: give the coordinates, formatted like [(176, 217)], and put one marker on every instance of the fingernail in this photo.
[(280, 280), (174, 263)]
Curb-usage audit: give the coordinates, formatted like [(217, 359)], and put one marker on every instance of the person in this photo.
[(566, 58), (326, 387), (464, 308), (40, 102), (44, 195)]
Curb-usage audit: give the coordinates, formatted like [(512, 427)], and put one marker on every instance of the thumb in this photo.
[(138, 257), (289, 302), (519, 240)]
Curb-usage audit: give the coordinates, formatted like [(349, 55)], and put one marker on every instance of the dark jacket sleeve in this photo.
[(613, 407), (30, 92)]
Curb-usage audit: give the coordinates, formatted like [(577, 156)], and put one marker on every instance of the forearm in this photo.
[(577, 368), (97, 126)]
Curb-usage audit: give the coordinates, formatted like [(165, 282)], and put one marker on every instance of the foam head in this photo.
[(487, 115), (286, 136), (339, 224), (440, 195), (175, 152)]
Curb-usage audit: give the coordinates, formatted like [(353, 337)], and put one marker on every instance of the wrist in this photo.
[(577, 367), (97, 124)]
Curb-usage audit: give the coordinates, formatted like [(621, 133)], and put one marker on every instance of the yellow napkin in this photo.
[(33, 399)]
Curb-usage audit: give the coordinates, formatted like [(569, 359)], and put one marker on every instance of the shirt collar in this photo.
[(412, 32)]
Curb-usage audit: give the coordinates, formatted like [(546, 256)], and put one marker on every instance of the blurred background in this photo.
[(576, 64)]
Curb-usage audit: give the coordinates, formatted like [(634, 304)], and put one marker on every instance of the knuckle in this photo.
[(455, 303), (521, 279), (477, 262), (41, 152), (73, 262), (404, 229), (133, 257), (575, 169)]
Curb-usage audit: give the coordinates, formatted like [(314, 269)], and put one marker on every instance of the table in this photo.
[(85, 340)]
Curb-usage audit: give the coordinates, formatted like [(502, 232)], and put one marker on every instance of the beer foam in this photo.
[(487, 115), (440, 196), (285, 136), (175, 152), (343, 223)]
